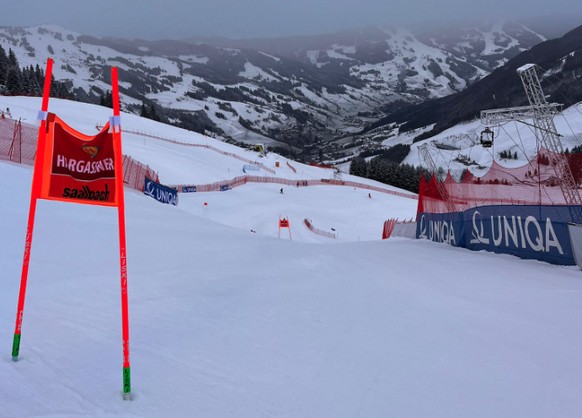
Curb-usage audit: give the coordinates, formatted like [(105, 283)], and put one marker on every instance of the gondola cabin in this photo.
[(487, 138)]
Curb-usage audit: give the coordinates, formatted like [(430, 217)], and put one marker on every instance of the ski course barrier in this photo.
[(18, 144), (388, 227), (406, 229), (210, 147), (135, 173), (250, 167), (538, 232), (318, 231), (17, 141), (241, 180)]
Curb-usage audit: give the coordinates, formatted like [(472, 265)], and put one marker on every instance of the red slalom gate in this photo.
[(74, 167), (284, 224)]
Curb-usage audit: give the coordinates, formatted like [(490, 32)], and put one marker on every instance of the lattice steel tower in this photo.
[(542, 114)]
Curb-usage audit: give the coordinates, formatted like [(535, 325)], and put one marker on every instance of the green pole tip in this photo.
[(15, 347), (126, 383)]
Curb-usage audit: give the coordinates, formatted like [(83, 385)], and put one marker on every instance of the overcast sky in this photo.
[(174, 19)]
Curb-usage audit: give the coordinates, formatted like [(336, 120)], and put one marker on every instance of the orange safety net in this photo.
[(535, 183), (18, 144)]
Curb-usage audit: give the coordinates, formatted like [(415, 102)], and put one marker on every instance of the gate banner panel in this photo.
[(78, 168)]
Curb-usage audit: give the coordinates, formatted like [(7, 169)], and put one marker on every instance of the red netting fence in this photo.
[(388, 227), (210, 147), (18, 144), (535, 183), (17, 141), (239, 181), (134, 173)]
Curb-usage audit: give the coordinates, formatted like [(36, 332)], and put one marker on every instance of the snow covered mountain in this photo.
[(297, 91), (560, 61)]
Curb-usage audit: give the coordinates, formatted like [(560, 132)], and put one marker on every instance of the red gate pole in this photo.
[(34, 193), (116, 126)]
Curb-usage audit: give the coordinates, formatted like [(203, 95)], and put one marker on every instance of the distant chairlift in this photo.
[(487, 138)]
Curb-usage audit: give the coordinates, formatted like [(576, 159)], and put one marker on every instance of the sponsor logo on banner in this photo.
[(82, 168), (536, 232), (188, 189), (92, 150), (440, 230), (86, 193), (525, 232), (160, 192), (250, 167)]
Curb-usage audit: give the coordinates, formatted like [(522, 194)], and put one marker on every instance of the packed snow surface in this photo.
[(230, 323)]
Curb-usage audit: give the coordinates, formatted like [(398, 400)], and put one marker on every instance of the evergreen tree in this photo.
[(153, 114), (3, 65), (25, 82), (388, 171), (28, 80), (149, 112), (35, 82), (39, 74), (375, 169), (144, 111), (106, 99), (359, 167), (13, 81), (12, 60)]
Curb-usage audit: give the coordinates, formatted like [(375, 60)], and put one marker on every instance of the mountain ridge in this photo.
[(301, 102), (561, 60)]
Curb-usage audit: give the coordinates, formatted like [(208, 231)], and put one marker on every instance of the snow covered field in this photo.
[(229, 323)]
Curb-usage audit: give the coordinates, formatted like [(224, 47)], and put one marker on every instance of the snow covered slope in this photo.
[(458, 148), (227, 323), (352, 214)]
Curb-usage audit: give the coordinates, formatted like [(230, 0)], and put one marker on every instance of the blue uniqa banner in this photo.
[(532, 232), (188, 189), (160, 192)]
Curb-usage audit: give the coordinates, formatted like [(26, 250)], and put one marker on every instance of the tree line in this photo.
[(386, 168), (27, 81)]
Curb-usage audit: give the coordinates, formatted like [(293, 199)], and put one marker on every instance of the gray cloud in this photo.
[(158, 19)]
